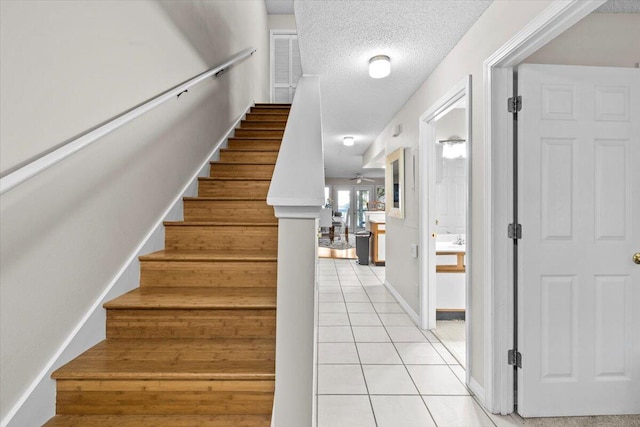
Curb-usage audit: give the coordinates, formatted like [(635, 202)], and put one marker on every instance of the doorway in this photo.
[(498, 171), (285, 65), (445, 142), (352, 202)]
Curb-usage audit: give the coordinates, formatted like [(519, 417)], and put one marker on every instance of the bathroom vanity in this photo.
[(450, 277)]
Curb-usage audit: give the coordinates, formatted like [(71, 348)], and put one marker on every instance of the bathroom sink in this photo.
[(450, 247)]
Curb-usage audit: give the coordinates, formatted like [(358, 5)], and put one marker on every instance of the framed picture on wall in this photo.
[(394, 183)]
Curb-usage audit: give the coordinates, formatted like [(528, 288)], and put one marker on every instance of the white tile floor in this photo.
[(451, 334), (375, 368)]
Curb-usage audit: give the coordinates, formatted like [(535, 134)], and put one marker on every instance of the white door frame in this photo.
[(498, 133), (271, 55), (427, 144)]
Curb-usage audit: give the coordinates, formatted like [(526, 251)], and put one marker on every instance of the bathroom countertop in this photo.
[(450, 247)]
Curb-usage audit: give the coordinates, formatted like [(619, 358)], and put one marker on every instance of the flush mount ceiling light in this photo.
[(348, 141), (379, 66)]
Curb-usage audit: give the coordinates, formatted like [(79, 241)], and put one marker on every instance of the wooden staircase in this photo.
[(194, 345)]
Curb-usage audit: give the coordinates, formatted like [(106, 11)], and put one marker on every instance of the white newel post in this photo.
[(297, 194)]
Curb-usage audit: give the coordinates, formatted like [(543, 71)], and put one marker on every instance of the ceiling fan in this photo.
[(359, 178)]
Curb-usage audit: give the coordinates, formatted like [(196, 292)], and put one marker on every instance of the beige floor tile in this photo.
[(401, 411), (456, 411)]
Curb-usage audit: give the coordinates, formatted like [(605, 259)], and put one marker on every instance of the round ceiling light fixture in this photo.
[(379, 66), (348, 141)]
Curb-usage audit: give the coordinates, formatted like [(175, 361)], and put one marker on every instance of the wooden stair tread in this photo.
[(249, 150), (272, 105), (159, 420), (195, 344), (174, 359), (219, 224), (195, 298), (219, 255), (225, 199), (209, 178), (217, 162), (256, 128), (253, 138)]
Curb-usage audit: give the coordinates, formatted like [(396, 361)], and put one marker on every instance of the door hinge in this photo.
[(514, 358), (514, 231), (514, 104)]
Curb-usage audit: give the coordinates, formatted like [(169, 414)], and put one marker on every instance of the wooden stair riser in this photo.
[(201, 323), (229, 211), (160, 420), (272, 105), (230, 170), (264, 124), (259, 133), (266, 117), (164, 397), (255, 110), (208, 274), (248, 156), (254, 144), (221, 188), (214, 237)]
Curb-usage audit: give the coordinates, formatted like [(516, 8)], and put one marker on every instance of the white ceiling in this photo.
[(279, 7), (337, 39), (620, 6)]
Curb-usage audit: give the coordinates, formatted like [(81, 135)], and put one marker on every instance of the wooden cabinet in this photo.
[(377, 242)]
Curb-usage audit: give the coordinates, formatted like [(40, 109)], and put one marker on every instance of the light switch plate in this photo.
[(414, 250)]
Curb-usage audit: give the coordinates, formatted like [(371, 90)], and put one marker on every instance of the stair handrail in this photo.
[(51, 157)]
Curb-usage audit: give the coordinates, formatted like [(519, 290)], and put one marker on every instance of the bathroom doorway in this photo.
[(445, 145)]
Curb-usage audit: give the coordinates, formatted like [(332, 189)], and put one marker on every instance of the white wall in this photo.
[(600, 39), (65, 67), (282, 22), (501, 21)]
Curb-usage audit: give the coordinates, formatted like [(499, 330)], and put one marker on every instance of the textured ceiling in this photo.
[(620, 6), (279, 7), (337, 39)]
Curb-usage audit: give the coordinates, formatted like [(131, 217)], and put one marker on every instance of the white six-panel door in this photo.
[(579, 203)]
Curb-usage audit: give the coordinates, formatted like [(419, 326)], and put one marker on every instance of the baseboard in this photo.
[(477, 390), (452, 314), (37, 404), (404, 304)]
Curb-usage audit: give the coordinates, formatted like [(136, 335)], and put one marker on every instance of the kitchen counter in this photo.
[(378, 240)]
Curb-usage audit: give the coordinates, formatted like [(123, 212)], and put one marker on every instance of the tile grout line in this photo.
[(393, 343), (373, 412)]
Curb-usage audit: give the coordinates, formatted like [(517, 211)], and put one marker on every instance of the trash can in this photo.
[(362, 247)]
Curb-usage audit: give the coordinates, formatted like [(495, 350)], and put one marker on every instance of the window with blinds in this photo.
[(285, 67)]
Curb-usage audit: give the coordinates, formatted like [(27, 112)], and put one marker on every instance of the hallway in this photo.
[(376, 368)]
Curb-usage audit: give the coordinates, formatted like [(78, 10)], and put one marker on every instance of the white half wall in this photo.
[(67, 233)]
